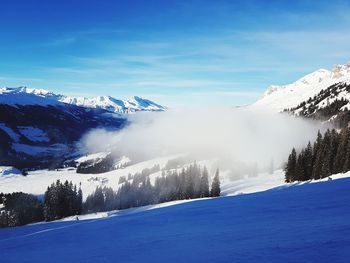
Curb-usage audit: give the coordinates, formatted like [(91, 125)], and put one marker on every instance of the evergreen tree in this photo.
[(300, 167), (326, 155), (215, 186), (290, 169), (346, 151), (341, 155), (308, 162), (334, 145), (20, 209), (62, 200), (204, 184), (189, 183), (317, 157)]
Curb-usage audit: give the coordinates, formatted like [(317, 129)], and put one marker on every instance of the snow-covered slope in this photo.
[(29, 96), (306, 223), (36, 182), (278, 98)]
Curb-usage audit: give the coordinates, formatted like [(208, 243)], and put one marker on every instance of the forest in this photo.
[(65, 199), (330, 154)]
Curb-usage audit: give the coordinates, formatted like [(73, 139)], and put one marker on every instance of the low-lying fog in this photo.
[(238, 139)]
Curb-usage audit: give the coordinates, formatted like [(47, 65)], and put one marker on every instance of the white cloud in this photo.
[(235, 136)]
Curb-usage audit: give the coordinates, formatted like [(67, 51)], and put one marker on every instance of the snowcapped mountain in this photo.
[(39, 128), (29, 96), (114, 105), (278, 98)]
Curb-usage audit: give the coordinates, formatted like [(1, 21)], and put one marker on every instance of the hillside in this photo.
[(36, 182), (44, 136), (331, 104), (307, 224)]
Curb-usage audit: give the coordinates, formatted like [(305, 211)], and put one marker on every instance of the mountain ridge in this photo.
[(32, 96), (278, 98)]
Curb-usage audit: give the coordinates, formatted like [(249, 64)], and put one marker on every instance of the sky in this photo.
[(177, 53)]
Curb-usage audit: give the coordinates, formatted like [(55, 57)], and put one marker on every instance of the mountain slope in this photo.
[(307, 223), (331, 104), (278, 98), (43, 136)]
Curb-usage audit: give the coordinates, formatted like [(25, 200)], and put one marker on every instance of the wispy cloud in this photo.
[(228, 49)]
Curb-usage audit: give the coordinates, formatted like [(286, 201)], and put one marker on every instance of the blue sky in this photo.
[(175, 52)]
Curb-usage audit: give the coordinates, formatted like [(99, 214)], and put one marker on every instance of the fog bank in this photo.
[(233, 136)]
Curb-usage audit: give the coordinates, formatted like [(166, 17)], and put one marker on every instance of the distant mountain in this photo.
[(40, 129), (279, 98), (44, 136), (111, 104), (29, 96)]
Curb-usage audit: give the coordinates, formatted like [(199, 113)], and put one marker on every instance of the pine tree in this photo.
[(335, 141), (326, 155), (346, 151), (340, 156), (317, 157), (308, 162), (182, 184), (215, 186), (300, 167), (189, 192), (204, 184), (290, 169)]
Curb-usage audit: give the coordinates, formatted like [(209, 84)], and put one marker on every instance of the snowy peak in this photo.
[(312, 79), (27, 96), (30, 96), (278, 98), (111, 104)]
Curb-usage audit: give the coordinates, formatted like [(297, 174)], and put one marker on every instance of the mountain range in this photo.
[(30, 96), (37, 123), (40, 129)]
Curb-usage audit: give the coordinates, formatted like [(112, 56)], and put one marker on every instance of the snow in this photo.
[(38, 150), (91, 157), (262, 182), (122, 162), (29, 96), (34, 134), (99, 156), (13, 135), (114, 105), (296, 223), (129, 211), (37, 181), (25, 96), (9, 171), (278, 98)]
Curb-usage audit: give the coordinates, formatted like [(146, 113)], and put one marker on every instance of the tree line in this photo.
[(189, 183), (60, 200), (65, 199), (330, 154)]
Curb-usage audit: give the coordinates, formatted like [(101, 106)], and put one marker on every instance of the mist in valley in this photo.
[(240, 141)]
